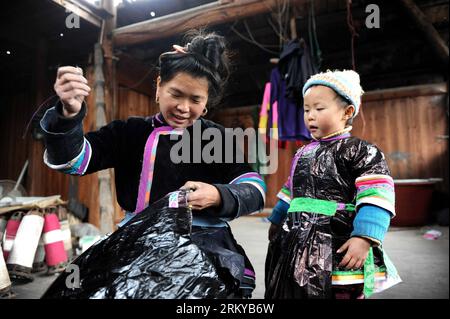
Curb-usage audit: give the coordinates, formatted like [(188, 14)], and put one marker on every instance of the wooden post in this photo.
[(110, 61), (88, 187), (112, 88), (426, 27), (105, 97), (104, 180)]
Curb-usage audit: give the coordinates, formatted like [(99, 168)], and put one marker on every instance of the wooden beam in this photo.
[(102, 12), (80, 10), (214, 13), (426, 27), (406, 92)]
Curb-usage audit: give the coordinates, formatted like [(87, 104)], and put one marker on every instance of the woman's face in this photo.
[(182, 99)]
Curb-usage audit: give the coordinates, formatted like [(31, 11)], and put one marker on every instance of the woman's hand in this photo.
[(357, 251), (203, 195), (71, 87)]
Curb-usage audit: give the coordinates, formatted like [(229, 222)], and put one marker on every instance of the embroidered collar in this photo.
[(158, 120), (336, 135)]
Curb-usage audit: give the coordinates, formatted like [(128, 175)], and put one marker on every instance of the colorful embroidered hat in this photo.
[(346, 83)]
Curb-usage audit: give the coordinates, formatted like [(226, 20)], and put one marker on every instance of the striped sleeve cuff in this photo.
[(285, 194), (377, 190), (253, 179), (76, 166)]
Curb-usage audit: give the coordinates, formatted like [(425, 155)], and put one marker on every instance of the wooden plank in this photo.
[(410, 91), (80, 11), (105, 12), (88, 193), (34, 147), (177, 23), (410, 126), (133, 103)]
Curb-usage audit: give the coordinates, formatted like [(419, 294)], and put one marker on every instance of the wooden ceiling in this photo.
[(390, 56)]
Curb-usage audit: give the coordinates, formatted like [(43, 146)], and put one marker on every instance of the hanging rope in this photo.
[(252, 39), (354, 34), (35, 113), (316, 53)]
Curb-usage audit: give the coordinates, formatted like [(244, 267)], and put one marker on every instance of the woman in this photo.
[(191, 79)]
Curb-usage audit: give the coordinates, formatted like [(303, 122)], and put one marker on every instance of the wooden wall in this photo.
[(13, 119), (410, 125), (132, 103), (16, 110)]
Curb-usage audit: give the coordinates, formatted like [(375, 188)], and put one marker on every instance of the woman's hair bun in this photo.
[(206, 55), (211, 47)]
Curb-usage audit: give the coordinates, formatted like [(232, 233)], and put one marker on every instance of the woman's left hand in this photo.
[(203, 195)]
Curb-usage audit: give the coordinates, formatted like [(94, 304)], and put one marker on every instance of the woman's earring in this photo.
[(205, 110)]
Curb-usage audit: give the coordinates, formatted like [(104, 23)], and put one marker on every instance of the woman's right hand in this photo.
[(71, 87)]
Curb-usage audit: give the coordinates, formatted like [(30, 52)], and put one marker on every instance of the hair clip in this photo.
[(179, 49)]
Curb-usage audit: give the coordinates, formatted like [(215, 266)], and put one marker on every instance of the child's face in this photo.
[(323, 113)]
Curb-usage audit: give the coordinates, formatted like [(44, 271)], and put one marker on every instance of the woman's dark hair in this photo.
[(205, 56)]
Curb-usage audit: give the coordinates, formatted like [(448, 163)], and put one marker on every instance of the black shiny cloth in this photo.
[(151, 256)]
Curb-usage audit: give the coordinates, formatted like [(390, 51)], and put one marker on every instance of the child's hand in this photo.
[(273, 230), (357, 251)]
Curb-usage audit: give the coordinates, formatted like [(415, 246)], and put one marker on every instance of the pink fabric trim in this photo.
[(266, 100), (375, 181), (140, 204)]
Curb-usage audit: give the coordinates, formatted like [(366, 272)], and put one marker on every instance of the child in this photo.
[(336, 205)]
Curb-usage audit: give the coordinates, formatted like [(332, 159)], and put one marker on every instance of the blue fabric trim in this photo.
[(257, 179), (73, 169), (253, 179), (279, 212), (371, 221), (203, 221)]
